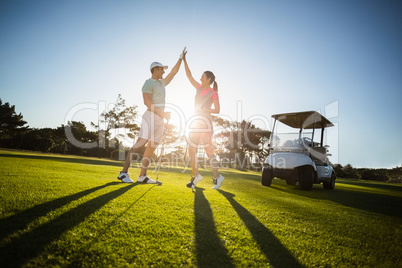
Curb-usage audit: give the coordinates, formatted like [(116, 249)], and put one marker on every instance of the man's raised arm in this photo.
[(175, 69)]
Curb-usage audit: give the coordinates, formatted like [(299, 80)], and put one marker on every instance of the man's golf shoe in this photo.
[(196, 179), (146, 179), (123, 176)]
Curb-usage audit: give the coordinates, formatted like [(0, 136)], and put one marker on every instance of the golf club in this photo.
[(162, 143)]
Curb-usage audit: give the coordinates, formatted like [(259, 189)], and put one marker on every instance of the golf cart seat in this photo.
[(319, 153)]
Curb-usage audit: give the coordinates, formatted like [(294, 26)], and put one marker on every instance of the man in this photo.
[(152, 124)]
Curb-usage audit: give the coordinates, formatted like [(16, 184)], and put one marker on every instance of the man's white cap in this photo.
[(157, 64)]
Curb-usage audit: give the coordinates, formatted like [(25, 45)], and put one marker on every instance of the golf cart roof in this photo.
[(303, 120)]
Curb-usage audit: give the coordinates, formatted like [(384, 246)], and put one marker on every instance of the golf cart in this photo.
[(294, 155)]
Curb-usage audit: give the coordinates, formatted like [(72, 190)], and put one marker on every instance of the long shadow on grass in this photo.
[(372, 202), (277, 254), (210, 251), (29, 245), (67, 159), (75, 259), (21, 220), (373, 184)]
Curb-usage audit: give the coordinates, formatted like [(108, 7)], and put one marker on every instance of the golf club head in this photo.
[(159, 183)]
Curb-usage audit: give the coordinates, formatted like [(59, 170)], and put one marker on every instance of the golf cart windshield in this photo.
[(285, 138), (298, 131)]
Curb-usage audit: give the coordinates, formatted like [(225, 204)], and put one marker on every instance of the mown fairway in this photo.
[(71, 211)]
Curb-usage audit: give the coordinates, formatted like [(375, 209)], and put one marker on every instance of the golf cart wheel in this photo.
[(331, 184), (267, 177), (307, 180)]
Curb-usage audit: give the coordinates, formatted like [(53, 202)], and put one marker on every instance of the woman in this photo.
[(201, 130)]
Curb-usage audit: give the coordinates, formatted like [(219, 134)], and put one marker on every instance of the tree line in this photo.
[(393, 175), (15, 134), (239, 145)]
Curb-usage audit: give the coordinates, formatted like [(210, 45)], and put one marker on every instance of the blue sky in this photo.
[(342, 58)]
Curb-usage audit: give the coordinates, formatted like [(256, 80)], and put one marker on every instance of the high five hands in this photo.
[(183, 54)]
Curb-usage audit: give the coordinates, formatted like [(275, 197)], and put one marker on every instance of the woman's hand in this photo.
[(183, 54)]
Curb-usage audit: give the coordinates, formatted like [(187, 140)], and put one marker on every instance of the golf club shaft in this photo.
[(162, 149)]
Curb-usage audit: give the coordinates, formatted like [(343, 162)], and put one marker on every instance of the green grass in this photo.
[(72, 211)]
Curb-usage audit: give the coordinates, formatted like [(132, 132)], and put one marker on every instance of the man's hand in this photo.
[(183, 54), (166, 115), (175, 69)]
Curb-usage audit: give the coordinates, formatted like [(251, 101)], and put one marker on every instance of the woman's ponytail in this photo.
[(215, 86), (210, 75)]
